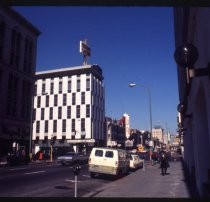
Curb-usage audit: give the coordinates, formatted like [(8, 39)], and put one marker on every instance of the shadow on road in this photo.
[(62, 187)]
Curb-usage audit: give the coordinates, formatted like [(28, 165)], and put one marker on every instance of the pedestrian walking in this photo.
[(164, 162)]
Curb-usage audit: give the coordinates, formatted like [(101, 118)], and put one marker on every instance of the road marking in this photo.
[(71, 180), (17, 169), (86, 176), (41, 171)]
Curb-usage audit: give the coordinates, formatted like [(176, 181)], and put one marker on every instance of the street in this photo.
[(43, 180), (55, 180)]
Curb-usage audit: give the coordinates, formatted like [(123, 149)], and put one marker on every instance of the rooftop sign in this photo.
[(85, 50)]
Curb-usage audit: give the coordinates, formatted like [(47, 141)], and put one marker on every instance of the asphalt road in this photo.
[(47, 181)]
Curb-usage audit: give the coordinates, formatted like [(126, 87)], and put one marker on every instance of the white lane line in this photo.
[(86, 176), (12, 169), (41, 171), (71, 180)]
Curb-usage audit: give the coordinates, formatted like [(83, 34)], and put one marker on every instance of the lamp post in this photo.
[(150, 106), (51, 148), (150, 111)]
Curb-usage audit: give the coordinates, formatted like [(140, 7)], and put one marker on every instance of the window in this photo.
[(59, 112), (28, 55), (46, 127), (12, 51), (42, 114), (69, 86), (60, 87), (43, 87), (35, 89), (87, 84), (37, 127), (55, 100), (51, 88), (99, 153), (34, 115), (78, 111), (12, 95), (38, 101), (15, 49), (78, 85), (64, 126), (83, 124), (47, 101), (25, 102), (54, 126), (73, 98), (51, 113), (68, 112), (87, 110), (109, 154), (64, 99), (73, 125), (2, 38), (83, 98)]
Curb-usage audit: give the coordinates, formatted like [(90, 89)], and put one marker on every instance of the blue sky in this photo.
[(130, 44)]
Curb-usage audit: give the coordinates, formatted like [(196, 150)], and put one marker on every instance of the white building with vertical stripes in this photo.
[(69, 105)]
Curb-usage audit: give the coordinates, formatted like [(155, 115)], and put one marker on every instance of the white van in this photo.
[(111, 161)]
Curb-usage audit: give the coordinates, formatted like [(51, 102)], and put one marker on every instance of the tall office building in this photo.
[(69, 107), (18, 45)]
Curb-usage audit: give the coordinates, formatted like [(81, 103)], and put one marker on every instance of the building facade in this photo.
[(127, 125), (115, 132), (18, 46), (157, 133), (69, 107), (192, 26)]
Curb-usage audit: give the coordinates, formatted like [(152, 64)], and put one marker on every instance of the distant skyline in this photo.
[(130, 44)]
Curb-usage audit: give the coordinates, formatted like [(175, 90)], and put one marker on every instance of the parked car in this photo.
[(109, 161), (3, 160), (135, 162), (14, 159), (71, 158)]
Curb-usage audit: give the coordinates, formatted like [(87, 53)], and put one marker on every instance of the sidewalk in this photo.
[(150, 184)]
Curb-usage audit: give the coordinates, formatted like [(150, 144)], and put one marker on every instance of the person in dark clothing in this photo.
[(164, 164)]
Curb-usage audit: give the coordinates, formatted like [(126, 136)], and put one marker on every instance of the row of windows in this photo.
[(97, 89), (60, 86), (60, 112), (64, 122), (21, 49), (64, 100)]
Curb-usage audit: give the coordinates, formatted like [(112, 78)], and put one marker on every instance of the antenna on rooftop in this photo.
[(85, 50)]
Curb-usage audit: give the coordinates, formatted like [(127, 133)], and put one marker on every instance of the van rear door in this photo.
[(110, 158)]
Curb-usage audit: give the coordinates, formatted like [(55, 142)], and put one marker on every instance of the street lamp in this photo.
[(150, 107), (150, 115)]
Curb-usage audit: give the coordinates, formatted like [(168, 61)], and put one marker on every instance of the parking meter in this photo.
[(76, 169)]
